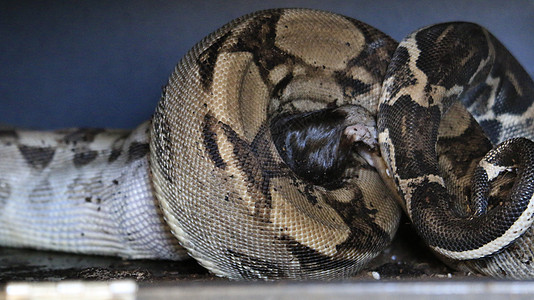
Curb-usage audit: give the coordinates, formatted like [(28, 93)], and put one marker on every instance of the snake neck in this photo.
[(81, 190)]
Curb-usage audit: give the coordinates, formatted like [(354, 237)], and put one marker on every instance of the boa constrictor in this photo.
[(280, 148)]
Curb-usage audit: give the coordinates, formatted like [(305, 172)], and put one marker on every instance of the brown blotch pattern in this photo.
[(210, 142), (206, 61), (84, 157), (116, 148), (137, 150), (37, 157), (85, 135)]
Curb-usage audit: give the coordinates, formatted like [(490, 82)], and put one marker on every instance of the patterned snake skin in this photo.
[(286, 145)]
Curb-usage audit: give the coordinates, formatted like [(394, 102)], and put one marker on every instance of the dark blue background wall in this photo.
[(103, 63)]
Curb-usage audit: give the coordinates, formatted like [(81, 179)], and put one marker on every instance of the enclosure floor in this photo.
[(406, 270), (407, 258)]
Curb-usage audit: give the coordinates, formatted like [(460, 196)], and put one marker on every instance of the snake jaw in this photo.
[(364, 138), (373, 158)]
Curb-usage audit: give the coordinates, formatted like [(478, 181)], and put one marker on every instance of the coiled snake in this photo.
[(280, 146)]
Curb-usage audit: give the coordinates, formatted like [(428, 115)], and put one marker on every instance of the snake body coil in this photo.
[(280, 146)]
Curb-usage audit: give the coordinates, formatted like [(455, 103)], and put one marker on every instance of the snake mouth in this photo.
[(373, 158)]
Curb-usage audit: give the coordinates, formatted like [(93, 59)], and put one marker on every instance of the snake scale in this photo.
[(286, 144)]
